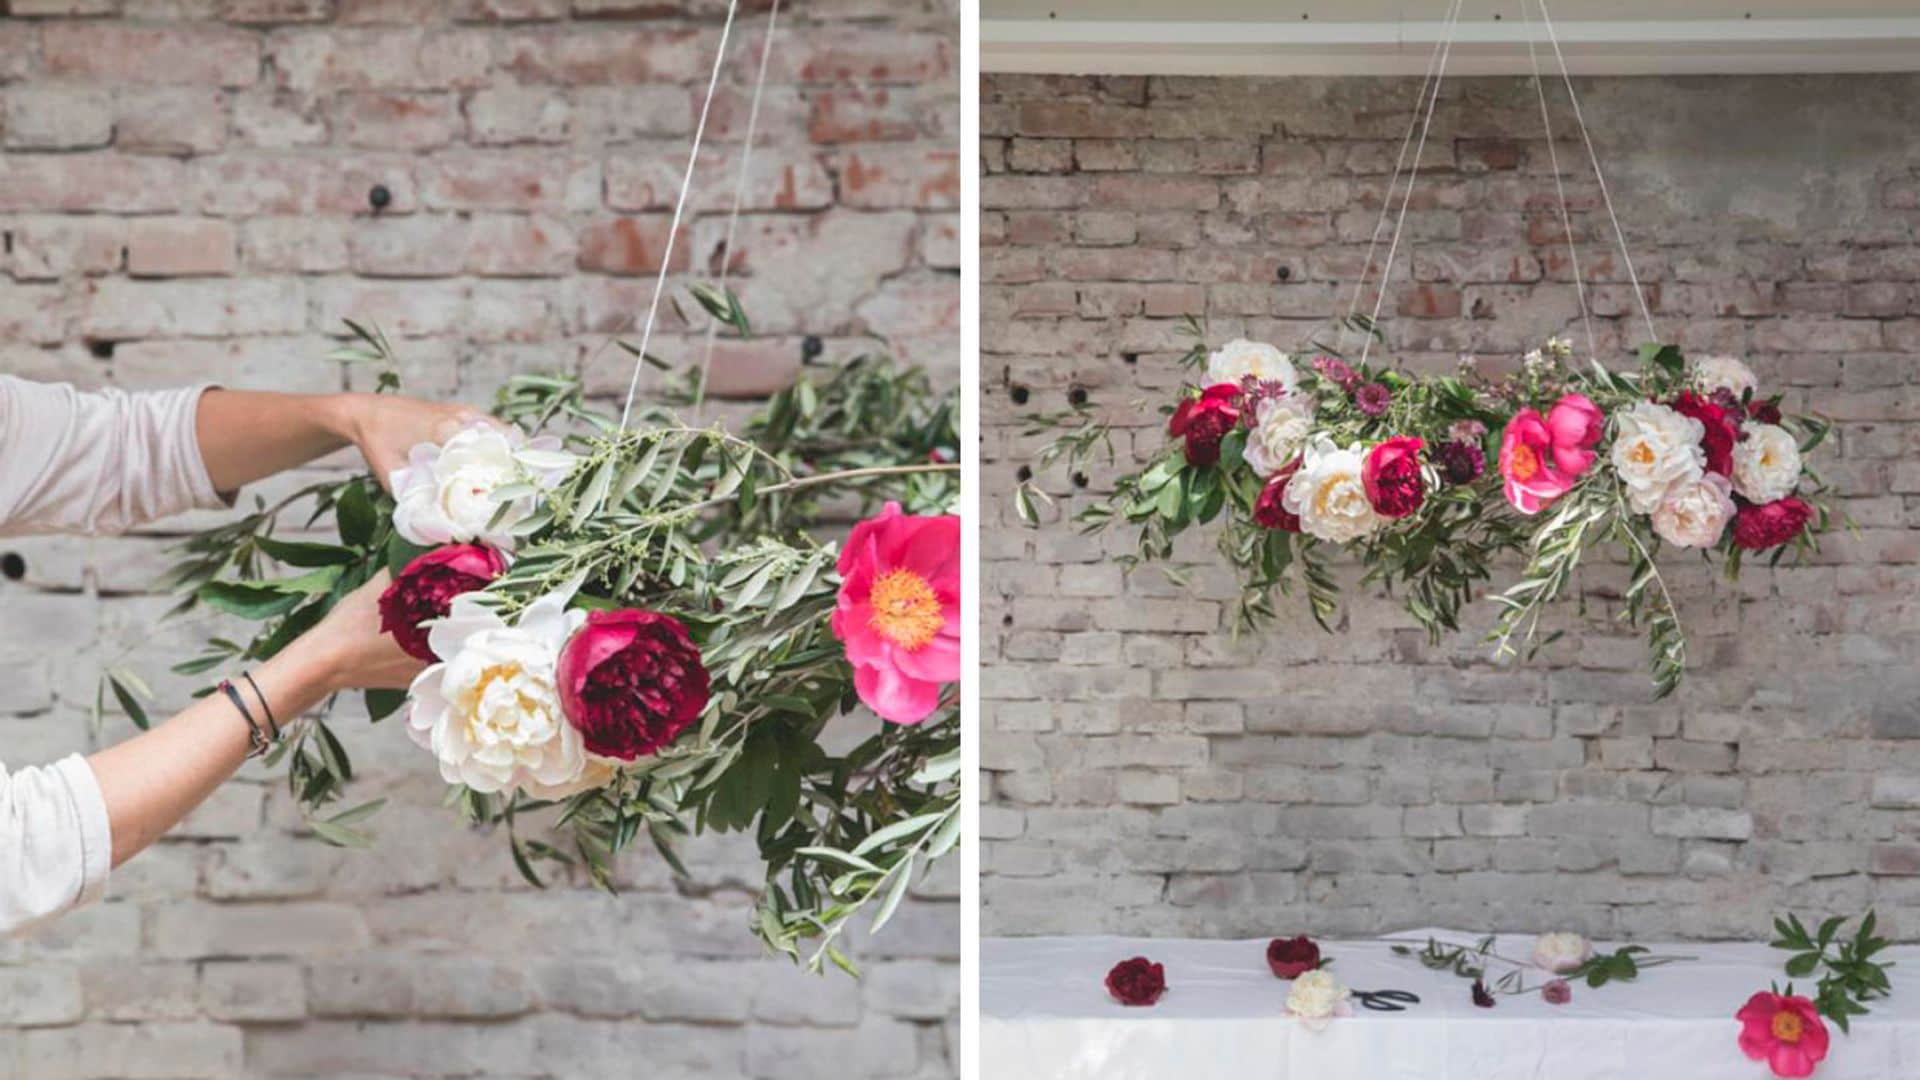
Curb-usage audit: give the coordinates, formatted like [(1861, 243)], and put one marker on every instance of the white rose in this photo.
[(1712, 373), (1240, 358), (1281, 427), (1329, 495), (1766, 464), (1695, 512), (490, 710), (1316, 997), (445, 494), (1654, 448), (1561, 952)]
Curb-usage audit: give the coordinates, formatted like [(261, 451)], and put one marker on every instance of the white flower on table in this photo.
[(1654, 448), (1281, 427), (1561, 952), (1712, 373), (1694, 513), (490, 710), (1315, 997), (1766, 464), (1329, 495), (1239, 358), (448, 494)]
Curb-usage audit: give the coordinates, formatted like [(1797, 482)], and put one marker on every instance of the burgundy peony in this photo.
[(425, 589), (1723, 429), (1392, 477), (1461, 462), (631, 682), (1205, 420), (1270, 510), (1138, 981), (1766, 412), (1292, 957), (1768, 525)]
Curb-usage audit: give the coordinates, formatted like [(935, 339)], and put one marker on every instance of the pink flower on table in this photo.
[(1556, 992), (1785, 1032), (899, 611)]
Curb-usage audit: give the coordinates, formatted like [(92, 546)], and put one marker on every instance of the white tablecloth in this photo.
[(1045, 1013)]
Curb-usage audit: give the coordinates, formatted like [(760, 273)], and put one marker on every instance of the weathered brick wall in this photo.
[(1147, 773), (184, 195)]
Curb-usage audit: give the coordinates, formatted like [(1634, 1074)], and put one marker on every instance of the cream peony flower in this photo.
[(1240, 358), (1281, 427), (1328, 494), (1654, 448), (1561, 952), (1695, 512), (1712, 373), (1766, 464), (490, 710), (1316, 997), (445, 494)]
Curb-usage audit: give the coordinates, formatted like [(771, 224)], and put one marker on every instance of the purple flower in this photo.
[(1461, 462), (1373, 399), (1481, 995), (1556, 992), (1336, 372), (1468, 431)]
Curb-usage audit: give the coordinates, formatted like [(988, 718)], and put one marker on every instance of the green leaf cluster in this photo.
[(1849, 975)]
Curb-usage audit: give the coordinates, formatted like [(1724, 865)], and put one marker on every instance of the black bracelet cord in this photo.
[(272, 723), (255, 737)]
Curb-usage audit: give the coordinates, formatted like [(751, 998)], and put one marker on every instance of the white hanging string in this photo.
[(679, 208), (733, 216), (1619, 234), (1559, 183), (1393, 184), (1386, 271)]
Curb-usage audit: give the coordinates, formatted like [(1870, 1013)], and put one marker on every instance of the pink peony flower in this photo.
[(1205, 420), (899, 611), (424, 591), (1392, 477), (1785, 1032), (1526, 463), (1576, 424)]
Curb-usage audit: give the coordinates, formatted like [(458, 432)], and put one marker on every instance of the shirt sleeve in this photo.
[(56, 843), (98, 462)]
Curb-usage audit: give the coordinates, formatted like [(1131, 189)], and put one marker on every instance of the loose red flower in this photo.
[(1768, 525), (1723, 429), (631, 682), (1138, 981), (425, 589), (1392, 477), (1292, 957), (1785, 1032), (1270, 510), (1205, 420)]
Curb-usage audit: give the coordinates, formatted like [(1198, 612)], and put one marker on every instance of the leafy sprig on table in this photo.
[(1852, 976), (1471, 961)]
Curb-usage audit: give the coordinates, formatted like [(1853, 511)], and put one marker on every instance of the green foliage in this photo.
[(1473, 961), (1851, 977)]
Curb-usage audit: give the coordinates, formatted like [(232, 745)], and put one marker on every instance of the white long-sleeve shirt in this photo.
[(92, 463)]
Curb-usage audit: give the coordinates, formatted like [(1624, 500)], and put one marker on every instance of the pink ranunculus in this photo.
[(1785, 1032), (899, 611), (1576, 424), (630, 682), (1392, 477), (1533, 481), (425, 589), (1205, 420)]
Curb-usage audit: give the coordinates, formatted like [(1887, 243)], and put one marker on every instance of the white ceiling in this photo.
[(1395, 37)]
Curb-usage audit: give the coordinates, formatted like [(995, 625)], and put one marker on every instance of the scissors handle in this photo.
[(1386, 1000)]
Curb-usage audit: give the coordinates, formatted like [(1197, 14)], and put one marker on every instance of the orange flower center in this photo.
[(1787, 1026), (1525, 464), (906, 610)]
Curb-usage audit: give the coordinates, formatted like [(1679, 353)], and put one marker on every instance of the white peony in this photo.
[(1328, 494), (1695, 512), (1766, 464), (1712, 373), (1654, 448), (1240, 358), (1561, 952), (446, 494), (1281, 427), (490, 710), (1316, 997)]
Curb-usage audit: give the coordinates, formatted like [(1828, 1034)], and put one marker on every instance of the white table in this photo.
[(1045, 1013)]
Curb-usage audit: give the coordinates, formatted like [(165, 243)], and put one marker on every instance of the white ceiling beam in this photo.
[(1481, 47)]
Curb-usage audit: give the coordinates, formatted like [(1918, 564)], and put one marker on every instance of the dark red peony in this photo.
[(1392, 476), (1292, 957), (631, 682), (1205, 420), (1723, 429), (1138, 981), (425, 589), (1768, 525), (1767, 412), (1270, 510)]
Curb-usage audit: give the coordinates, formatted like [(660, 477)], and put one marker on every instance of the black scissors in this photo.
[(1386, 1000)]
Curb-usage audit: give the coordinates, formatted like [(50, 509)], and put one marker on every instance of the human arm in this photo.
[(246, 435)]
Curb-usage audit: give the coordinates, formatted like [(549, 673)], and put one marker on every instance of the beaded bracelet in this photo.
[(255, 736)]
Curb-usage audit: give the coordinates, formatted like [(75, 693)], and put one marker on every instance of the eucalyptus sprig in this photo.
[(1851, 976)]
